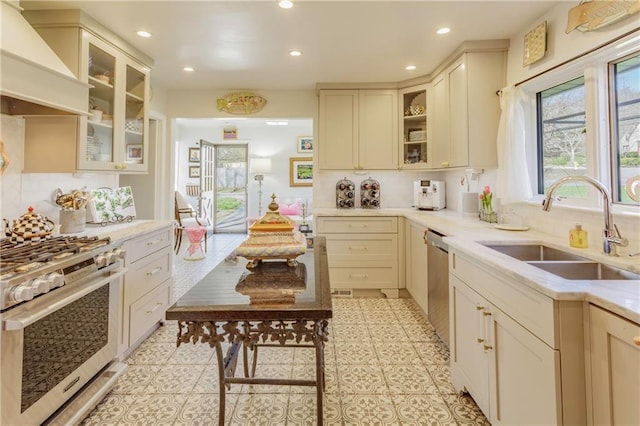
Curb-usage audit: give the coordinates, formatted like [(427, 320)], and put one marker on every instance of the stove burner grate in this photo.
[(13, 257)]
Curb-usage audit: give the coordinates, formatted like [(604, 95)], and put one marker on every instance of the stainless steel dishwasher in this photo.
[(438, 284)]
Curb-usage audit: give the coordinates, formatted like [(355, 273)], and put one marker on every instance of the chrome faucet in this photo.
[(610, 235)]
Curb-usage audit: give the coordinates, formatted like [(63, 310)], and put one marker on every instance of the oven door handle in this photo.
[(22, 320)]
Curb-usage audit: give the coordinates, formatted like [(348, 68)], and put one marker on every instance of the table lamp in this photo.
[(260, 166)]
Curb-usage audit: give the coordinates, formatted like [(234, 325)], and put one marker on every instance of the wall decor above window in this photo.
[(593, 15), (535, 44), (241, 103)]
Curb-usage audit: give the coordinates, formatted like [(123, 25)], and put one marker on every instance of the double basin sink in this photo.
[(561, 263)]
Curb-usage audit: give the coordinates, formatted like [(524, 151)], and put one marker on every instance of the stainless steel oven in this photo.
[(59, 326)]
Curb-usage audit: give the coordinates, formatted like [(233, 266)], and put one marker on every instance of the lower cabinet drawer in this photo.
[(356, 225), (364, 278), (146, 274), (147, 311), (142, 246), (362, 250)]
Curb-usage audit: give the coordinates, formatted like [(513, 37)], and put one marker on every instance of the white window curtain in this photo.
[(514, 133)]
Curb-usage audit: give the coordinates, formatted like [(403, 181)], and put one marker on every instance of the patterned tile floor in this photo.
[(384, 366)]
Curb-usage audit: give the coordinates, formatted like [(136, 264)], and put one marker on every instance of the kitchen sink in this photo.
[(585, 270), (533, 252)]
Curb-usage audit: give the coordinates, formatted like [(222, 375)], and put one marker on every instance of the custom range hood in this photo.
[(33, 80)]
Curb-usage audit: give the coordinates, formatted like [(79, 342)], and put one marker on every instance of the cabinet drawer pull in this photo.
[(480, 340), (488, 347), (636, 340), (486, 314), (154, 242), (155, 271), (154, 308), (479, 308), (358, 276), (358, 248)]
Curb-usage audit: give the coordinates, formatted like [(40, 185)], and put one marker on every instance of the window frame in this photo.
[(595, 69)]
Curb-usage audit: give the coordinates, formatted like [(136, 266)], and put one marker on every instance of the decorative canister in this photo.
[(345, 194), (370, 194), (72, 221)]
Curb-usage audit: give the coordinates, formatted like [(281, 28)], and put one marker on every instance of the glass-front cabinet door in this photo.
[(113, 136), (99, 124), (135, 118)]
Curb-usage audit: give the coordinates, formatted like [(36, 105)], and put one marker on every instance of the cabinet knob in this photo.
[(486, 313), (479, 340), (488, 347), (479, 308), (636, 340)]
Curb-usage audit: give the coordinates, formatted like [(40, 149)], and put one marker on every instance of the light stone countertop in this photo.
[(123, 231), (466, 233)]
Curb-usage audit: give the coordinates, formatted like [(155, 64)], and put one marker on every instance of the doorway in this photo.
[(230, 188)]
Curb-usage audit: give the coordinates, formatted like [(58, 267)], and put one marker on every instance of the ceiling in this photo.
[(245, 44)]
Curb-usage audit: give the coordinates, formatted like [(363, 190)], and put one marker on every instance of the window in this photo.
[(562, 137), (625, 129), (587, 122)]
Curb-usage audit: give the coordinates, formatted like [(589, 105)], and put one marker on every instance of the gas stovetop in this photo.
[(33, 268)]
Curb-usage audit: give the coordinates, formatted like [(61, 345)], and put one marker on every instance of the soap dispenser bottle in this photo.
[(578, 237)]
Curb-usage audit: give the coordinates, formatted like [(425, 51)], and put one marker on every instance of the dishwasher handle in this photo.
[(434, 239)]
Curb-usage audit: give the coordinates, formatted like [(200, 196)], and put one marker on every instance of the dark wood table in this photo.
[(248, 309)]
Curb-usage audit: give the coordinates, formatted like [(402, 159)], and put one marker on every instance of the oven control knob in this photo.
[(120, 253), (39, 286), (55, 279), (101, 260), (21, 293), (111, 258)]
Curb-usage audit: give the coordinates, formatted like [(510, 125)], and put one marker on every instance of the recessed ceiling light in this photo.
[(144, 34), (295, 53), (188, 69), (285, 4), (410, 67), (443, 30)]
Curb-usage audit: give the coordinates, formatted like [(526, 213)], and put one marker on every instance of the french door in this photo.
[(230, 187)]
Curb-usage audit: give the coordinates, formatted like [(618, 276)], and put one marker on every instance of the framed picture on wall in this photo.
[(194, 171), (229, 133), (194, 155), (300, 171), (305, 144)]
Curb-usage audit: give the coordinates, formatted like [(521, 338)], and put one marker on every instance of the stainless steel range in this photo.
[(58, 315)]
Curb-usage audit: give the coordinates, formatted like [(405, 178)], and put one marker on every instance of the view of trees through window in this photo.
[(625, 92), (562, 137)]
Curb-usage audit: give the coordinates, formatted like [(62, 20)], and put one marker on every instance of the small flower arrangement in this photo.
[(486, 213), (485, 198)]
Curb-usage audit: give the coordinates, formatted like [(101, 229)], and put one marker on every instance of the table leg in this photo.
[(222, 383), (319, 378)]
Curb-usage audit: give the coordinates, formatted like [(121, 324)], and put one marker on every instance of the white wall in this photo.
[(275, 142)]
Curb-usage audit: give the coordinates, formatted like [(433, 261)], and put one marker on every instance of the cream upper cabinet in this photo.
[(114, 135), (466, 110), (614, 369), (358, 129)]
